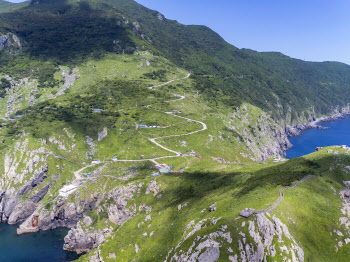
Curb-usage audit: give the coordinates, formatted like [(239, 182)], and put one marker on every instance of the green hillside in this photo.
[(60, 32), (6, 6), (103, 96)]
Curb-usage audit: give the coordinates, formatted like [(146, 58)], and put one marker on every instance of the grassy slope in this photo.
[(237, 75), (8, 7), (232, 186), (253, 186), (243, 75)]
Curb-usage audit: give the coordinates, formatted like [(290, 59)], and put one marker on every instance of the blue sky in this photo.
[(314, 30)]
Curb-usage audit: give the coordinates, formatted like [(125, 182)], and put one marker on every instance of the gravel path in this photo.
[(281, 195)]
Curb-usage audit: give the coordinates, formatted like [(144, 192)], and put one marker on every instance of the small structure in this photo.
[(67, 190), (318, 148), (162, 166), (19, 116), (95, 162), (142, 157), (164, 171), (276, 160), (115, 159), (144, 126), (344, 146), (12, 120), (247, 212), (330, 151), (175, 111), (97, 110), (35, 221), (155, 174)]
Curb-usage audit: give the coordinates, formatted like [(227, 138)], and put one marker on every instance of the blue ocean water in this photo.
[(39, 247), (337, 134)]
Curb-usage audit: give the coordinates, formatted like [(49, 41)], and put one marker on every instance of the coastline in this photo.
[(296, 130)]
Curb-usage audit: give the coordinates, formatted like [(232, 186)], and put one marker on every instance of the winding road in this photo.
[(78, 173), (153, 140)]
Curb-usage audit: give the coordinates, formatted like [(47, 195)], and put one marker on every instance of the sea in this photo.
[(44, 246), (338, 133), (47, 246)]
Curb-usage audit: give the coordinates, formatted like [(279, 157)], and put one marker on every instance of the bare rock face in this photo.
[(8, 203), (96, 257), (36, 198), (69, 79), (261, 135), (21, 212), (264, 234), (10, 41), (118, 213), (15, 211), (81, 242), (152, 187), (203, 249), (247, 212), (87, 221), (92, 145), (102, 134), (62, 214), (39, 177)]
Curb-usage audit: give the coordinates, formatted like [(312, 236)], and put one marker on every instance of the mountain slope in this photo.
[(105, 96), (7, 6), (263, 79)]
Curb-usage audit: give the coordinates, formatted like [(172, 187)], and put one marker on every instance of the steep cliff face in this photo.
[(295, 129), (10, 43), (32, 176), (82, 242), (261, 135), (264, 137)]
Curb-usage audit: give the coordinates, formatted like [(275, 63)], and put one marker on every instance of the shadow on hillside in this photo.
[(68, 33), (194, 186), (214, 186)]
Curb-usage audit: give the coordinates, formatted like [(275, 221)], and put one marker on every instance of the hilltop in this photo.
[(107, 97), (6, 6)]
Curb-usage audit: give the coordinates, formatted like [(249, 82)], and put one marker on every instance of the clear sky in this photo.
[(314, 30)]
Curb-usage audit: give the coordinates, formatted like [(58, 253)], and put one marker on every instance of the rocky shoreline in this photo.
[(82, 238), (296, 130)]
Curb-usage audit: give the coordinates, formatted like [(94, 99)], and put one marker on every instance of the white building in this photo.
[(276, 160), (95, 162), (67, 190)]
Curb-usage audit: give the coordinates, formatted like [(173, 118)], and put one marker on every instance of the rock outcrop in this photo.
[(81, 242), (269, 236), (13, 210), (102, 134), (118, 213), (69, 79), (10, 41), (262, 136)]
